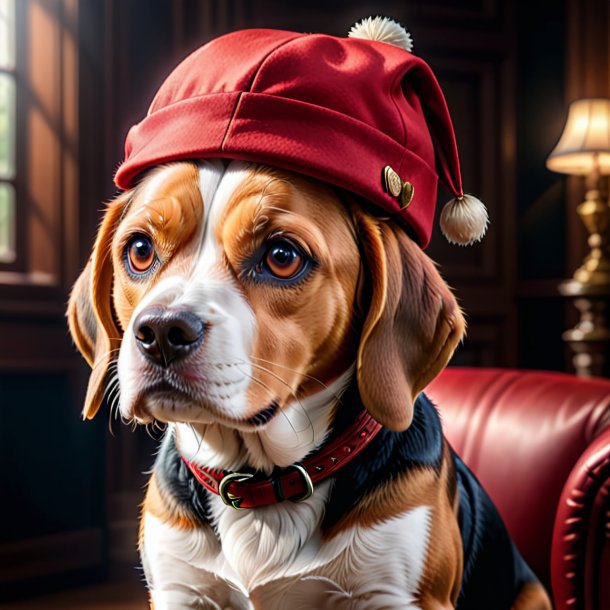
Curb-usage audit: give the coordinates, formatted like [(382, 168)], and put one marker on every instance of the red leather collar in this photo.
[(296, 483)]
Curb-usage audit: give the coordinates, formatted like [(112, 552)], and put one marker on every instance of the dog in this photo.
[(285, 332)]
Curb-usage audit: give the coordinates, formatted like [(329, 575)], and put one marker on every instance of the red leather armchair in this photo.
[(540, 444)]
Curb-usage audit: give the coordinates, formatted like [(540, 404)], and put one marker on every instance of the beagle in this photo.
[(285, 334)]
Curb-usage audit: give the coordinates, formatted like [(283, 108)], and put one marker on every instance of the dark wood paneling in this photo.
[(26, 563), (477, 72), (471, 89), (484, 345), (53, 480), (23, 559), (36, 343), (53, 523)]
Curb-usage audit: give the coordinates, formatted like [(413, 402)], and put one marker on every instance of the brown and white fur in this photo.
[(371, 310)]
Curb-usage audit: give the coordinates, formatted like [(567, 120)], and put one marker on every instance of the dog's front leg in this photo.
[(179, 564)]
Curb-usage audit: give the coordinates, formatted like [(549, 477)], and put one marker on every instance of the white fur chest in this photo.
[(262, 545), (279, 552)]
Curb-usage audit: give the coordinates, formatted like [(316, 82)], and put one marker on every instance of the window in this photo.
[(39, 214), (7, 131)]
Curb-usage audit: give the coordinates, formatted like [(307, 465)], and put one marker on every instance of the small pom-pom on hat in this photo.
[(382, 29), (464, 220)]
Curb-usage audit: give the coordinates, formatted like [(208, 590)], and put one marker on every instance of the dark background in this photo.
[(87, 71)]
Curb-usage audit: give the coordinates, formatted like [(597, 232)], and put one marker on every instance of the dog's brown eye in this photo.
[(140, 254), (283, 260)]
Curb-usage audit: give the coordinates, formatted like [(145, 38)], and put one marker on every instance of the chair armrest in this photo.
[(580, 553), (522, 433)]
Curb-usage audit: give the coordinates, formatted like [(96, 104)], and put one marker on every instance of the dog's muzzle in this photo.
[(164, 335)]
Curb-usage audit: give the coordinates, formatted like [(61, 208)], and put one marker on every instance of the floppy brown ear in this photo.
[(412, 327), (90, 313)]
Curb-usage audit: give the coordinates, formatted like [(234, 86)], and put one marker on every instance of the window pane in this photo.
[(7, 34), (7, 126), (7, 223)]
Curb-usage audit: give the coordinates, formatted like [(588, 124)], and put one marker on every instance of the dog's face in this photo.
[(227, 293)]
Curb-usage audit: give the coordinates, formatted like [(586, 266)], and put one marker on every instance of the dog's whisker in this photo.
[(149, 427), (198, 437), (296, 398), (111, 392), (282, 366), (110, 421), (101, 360), (338, 398), (271, 393), (113, 409), (161, 427), (126, 420)]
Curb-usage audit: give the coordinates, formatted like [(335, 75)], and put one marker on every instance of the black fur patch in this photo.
[(389, 454), (174, 478), (494, 571)]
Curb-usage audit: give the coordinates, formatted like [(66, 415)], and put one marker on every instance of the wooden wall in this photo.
[(52, 479)]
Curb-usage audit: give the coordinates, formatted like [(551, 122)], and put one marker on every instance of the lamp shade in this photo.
[(584, 145)]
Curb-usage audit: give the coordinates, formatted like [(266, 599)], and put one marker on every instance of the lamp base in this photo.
[(590, 338), (590, 287), (595, 215)]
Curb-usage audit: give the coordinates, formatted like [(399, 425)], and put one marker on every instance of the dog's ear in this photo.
[(90, 313), (412, 326)]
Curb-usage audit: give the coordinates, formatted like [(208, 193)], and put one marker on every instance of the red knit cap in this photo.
[(364, 115)]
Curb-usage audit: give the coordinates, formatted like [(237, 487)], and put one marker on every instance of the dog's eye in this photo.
[(140, 254), (283, 260)]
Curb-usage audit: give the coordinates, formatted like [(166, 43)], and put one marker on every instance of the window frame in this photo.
[(46, 182), (13, 180)]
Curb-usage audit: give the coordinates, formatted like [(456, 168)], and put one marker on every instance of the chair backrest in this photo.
[(521, 433)]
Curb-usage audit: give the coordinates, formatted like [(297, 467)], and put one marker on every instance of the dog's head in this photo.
[(226, 292)]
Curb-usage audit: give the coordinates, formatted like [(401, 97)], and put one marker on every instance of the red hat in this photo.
[(360, 113)]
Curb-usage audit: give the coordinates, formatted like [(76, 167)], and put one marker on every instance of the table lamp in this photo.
[(584, 150)]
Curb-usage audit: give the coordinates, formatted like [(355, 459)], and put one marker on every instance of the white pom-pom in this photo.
[(464, 220), (382, 29)]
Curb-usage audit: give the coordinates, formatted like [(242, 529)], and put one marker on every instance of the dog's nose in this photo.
[(163, 334)]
